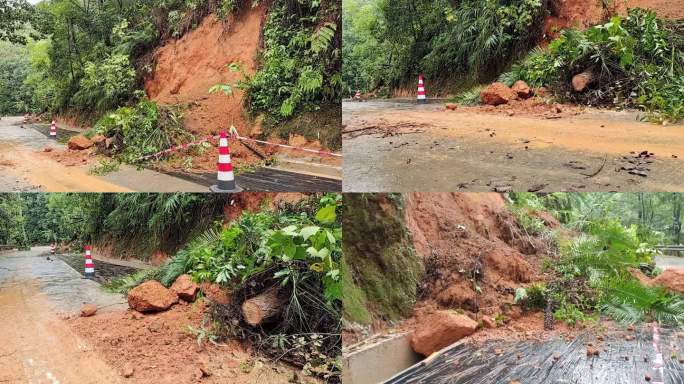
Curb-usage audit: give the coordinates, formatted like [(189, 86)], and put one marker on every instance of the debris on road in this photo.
[(88, 310), (151, 296)]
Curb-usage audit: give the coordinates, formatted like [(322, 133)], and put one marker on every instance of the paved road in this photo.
[(557, 360), (406, 147), (37, 345), (665, 262), (24, 166)]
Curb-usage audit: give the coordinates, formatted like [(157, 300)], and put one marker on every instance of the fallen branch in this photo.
[(589, 176)]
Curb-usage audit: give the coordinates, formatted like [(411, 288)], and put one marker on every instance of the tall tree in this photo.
[(14, 14)]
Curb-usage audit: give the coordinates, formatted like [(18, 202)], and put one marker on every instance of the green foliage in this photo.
[(455, 44), (629, 302), (109, 83), (293, 248), (299, 64), (143, 129), (531, 297), (14, 15), (638, 62), (571, 315), (15, 97)]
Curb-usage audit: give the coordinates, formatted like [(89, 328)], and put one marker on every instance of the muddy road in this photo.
[(401, 146), (37, 345), (26, 165)]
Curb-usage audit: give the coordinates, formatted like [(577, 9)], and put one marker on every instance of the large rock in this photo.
[(79, 142), (496, 94), (522, 89), (441, 329), (216, 293), (97, 139), (151, 296), (185, 288), (671, 279)]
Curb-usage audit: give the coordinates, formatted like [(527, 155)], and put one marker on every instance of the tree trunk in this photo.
[(262, 308), (581, 81)]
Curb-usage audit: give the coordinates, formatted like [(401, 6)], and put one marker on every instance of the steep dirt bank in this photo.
[(185, 69), (474, 251)]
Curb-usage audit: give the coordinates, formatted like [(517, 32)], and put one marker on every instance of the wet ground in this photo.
[(624, 357), (425, 147), (37, 346), (665, 262), (24, 166)]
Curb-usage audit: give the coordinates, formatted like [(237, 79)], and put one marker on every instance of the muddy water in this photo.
[(477, 152), (37, 345)]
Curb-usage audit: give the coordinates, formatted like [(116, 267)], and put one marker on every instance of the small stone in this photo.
[(88, 310), (127, 371)]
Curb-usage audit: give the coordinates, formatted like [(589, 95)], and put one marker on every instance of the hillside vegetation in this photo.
[(90, 59)]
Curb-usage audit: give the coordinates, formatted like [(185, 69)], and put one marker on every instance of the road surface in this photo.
[(619, 361), (25, 166), (666, 262), (427, 148), (37, 345)]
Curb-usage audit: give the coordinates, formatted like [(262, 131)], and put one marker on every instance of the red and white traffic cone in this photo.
[(421, 90), (89, 265), (226, 178), (357, 96), (53, 130), (52, 248)]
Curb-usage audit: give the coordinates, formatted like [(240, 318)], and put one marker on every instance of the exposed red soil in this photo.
[(159, 348), (474, 251), (581, 14), (186, 68)]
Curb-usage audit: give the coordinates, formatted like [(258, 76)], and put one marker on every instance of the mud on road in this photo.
[(401, 146), (44, 341)]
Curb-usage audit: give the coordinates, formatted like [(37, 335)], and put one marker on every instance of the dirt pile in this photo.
[(671, 279), (475, 255), (167, 347), (185, 70)]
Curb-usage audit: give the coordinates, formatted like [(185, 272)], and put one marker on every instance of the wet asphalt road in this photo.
[(65, 289)]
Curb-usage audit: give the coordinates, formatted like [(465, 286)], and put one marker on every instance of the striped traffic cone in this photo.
[(53, 130), (357, 96), (89, 266), (421, 90), (226, 178), (52, 248)]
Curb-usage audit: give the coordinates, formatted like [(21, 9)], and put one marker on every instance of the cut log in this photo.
[(581, 81), (263, 308)]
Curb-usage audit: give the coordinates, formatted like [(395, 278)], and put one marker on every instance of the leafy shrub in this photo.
[(638, 62), (106, 84), (297, 65), (143, 129)]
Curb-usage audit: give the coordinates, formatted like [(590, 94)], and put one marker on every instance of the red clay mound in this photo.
[(186, 68), (475, 253), (162, 349)]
